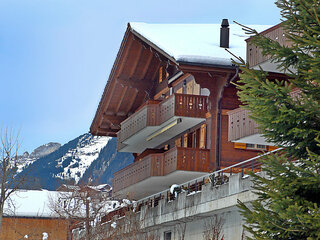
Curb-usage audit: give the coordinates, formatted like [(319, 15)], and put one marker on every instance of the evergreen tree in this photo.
[(289, 195)]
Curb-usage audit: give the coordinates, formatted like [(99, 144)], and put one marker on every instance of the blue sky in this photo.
[(56, 55)]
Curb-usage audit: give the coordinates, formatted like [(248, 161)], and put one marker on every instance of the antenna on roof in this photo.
[(224, 34)]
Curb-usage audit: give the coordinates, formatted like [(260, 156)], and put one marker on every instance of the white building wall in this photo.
[(196, 208)]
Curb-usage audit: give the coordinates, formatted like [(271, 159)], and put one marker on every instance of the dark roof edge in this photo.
[(266, 31), (233, 66)]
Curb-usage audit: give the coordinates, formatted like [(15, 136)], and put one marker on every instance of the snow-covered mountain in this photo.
[(76, 161), (84, 159), (26, 159)]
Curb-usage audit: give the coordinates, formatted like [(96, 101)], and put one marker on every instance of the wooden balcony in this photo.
[(254, 54), (243, 129), (240, 125), (151, 165), (147, 127), (144, 117), (184, 105), (159, 171), (186, 159)]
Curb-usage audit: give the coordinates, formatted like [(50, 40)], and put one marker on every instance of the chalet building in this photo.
[(170, 101)]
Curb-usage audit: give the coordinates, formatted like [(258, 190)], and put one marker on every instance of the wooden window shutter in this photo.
[(239, 145), (271, 148)]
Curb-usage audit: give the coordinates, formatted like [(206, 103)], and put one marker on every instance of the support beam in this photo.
[(105, 131), (146, 66), (124, 91), (133, 97), (116, 120), (132, 83)]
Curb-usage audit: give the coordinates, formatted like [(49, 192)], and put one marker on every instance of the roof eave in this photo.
[(93, 128)]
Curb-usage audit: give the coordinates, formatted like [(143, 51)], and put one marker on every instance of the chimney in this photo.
[(224, 34)]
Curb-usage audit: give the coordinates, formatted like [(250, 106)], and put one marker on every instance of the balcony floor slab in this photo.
[(153, 185), (254, 139), (138, 142)]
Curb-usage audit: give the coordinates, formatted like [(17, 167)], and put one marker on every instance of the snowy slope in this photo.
[(86, 151)]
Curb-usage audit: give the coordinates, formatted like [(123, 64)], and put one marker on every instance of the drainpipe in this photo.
[(218, 142)]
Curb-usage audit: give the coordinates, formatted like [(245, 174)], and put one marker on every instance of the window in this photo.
[(185, 140), (179, 90), (193, 87), (167, 235), (251, 146), (194, 139), (203, 136), (178, 142), (256, 146), (162, 74)]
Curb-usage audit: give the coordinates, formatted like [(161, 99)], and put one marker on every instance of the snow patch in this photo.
[(114, 225), (87, 150), (45, 236)]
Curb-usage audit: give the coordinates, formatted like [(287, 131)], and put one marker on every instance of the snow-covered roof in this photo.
[(195, 43), (29, 203)]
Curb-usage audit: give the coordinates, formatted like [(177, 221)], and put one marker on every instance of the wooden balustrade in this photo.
[(146, 116), (161, 164), (166, 109), (254, 54), (187, 159), (149, 166), (240, 124), (183, 105), (190, 105), (193, 159)]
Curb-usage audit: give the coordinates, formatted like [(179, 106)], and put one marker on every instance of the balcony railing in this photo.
[(254, 54), (161, 164), (146, 116), (187, 159), (195, 185), (240, 124), (149, 166), (182, 105)]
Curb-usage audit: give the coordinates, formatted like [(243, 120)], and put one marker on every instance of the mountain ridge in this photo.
[(85, 159)]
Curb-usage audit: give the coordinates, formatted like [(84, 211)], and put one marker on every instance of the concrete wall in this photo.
[(194, 211)]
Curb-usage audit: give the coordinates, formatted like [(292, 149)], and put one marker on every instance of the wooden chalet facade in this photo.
[(178, 113), (241, 128)]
